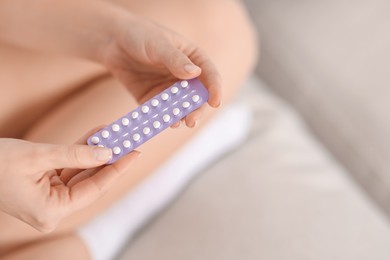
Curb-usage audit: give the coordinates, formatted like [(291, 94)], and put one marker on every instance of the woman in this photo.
[(63, 67)]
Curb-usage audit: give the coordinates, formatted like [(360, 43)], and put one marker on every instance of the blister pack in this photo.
[(151, 118)]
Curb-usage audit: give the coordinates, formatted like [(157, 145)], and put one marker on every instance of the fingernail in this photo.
[(191, 68), (196, 123), (137, 153), (102, 154)]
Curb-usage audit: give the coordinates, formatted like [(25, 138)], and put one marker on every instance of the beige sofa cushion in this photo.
[(279, 196), (331, 59)]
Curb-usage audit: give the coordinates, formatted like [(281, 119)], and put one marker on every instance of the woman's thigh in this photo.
[(219, 27)]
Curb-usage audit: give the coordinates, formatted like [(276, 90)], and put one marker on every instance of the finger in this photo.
[(88, 190), (192, 120), (176, 61), (210, 76), (182, 122), (82, 175), (179, 124), (176, 125), (70, 156), (67, 174)]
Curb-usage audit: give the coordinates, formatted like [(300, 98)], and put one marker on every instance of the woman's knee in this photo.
[(227, 34), (227, 26)]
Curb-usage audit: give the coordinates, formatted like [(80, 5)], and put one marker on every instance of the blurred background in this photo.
[(331, 61), (312, 180)]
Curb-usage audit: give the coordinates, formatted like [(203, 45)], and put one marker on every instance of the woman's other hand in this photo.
[(41, 184)]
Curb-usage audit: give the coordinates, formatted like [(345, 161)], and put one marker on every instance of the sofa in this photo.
[(331, 61), (310, 181)]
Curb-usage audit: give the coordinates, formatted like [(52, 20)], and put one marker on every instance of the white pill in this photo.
[(166, 118), (176, 111), (145, 109), (155, 102), (164, 96), (105, 134), (135, 115), (174, 90), (184, 83), (116, 150), (146, 130), (136, 137), (126, 143), (186, 104), (156, 124), (125, 121), (115, 127), (195, 98), (95, 140)]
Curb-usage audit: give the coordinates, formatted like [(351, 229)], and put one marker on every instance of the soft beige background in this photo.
[(283, 195), (331, 60), (278, 196)]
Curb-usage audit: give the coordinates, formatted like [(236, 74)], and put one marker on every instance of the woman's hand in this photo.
[(41, 183), (143, 55), (147, 58)]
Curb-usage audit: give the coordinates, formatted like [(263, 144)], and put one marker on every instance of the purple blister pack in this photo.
[(151, 118)]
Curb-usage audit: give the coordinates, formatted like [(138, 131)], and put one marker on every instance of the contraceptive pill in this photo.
[(151, 118)]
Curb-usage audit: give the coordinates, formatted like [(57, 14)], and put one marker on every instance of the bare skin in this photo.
[(59, 88)]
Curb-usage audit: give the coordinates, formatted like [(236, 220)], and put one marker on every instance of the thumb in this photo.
[(177, 62), (88, 190), (72, 156)]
